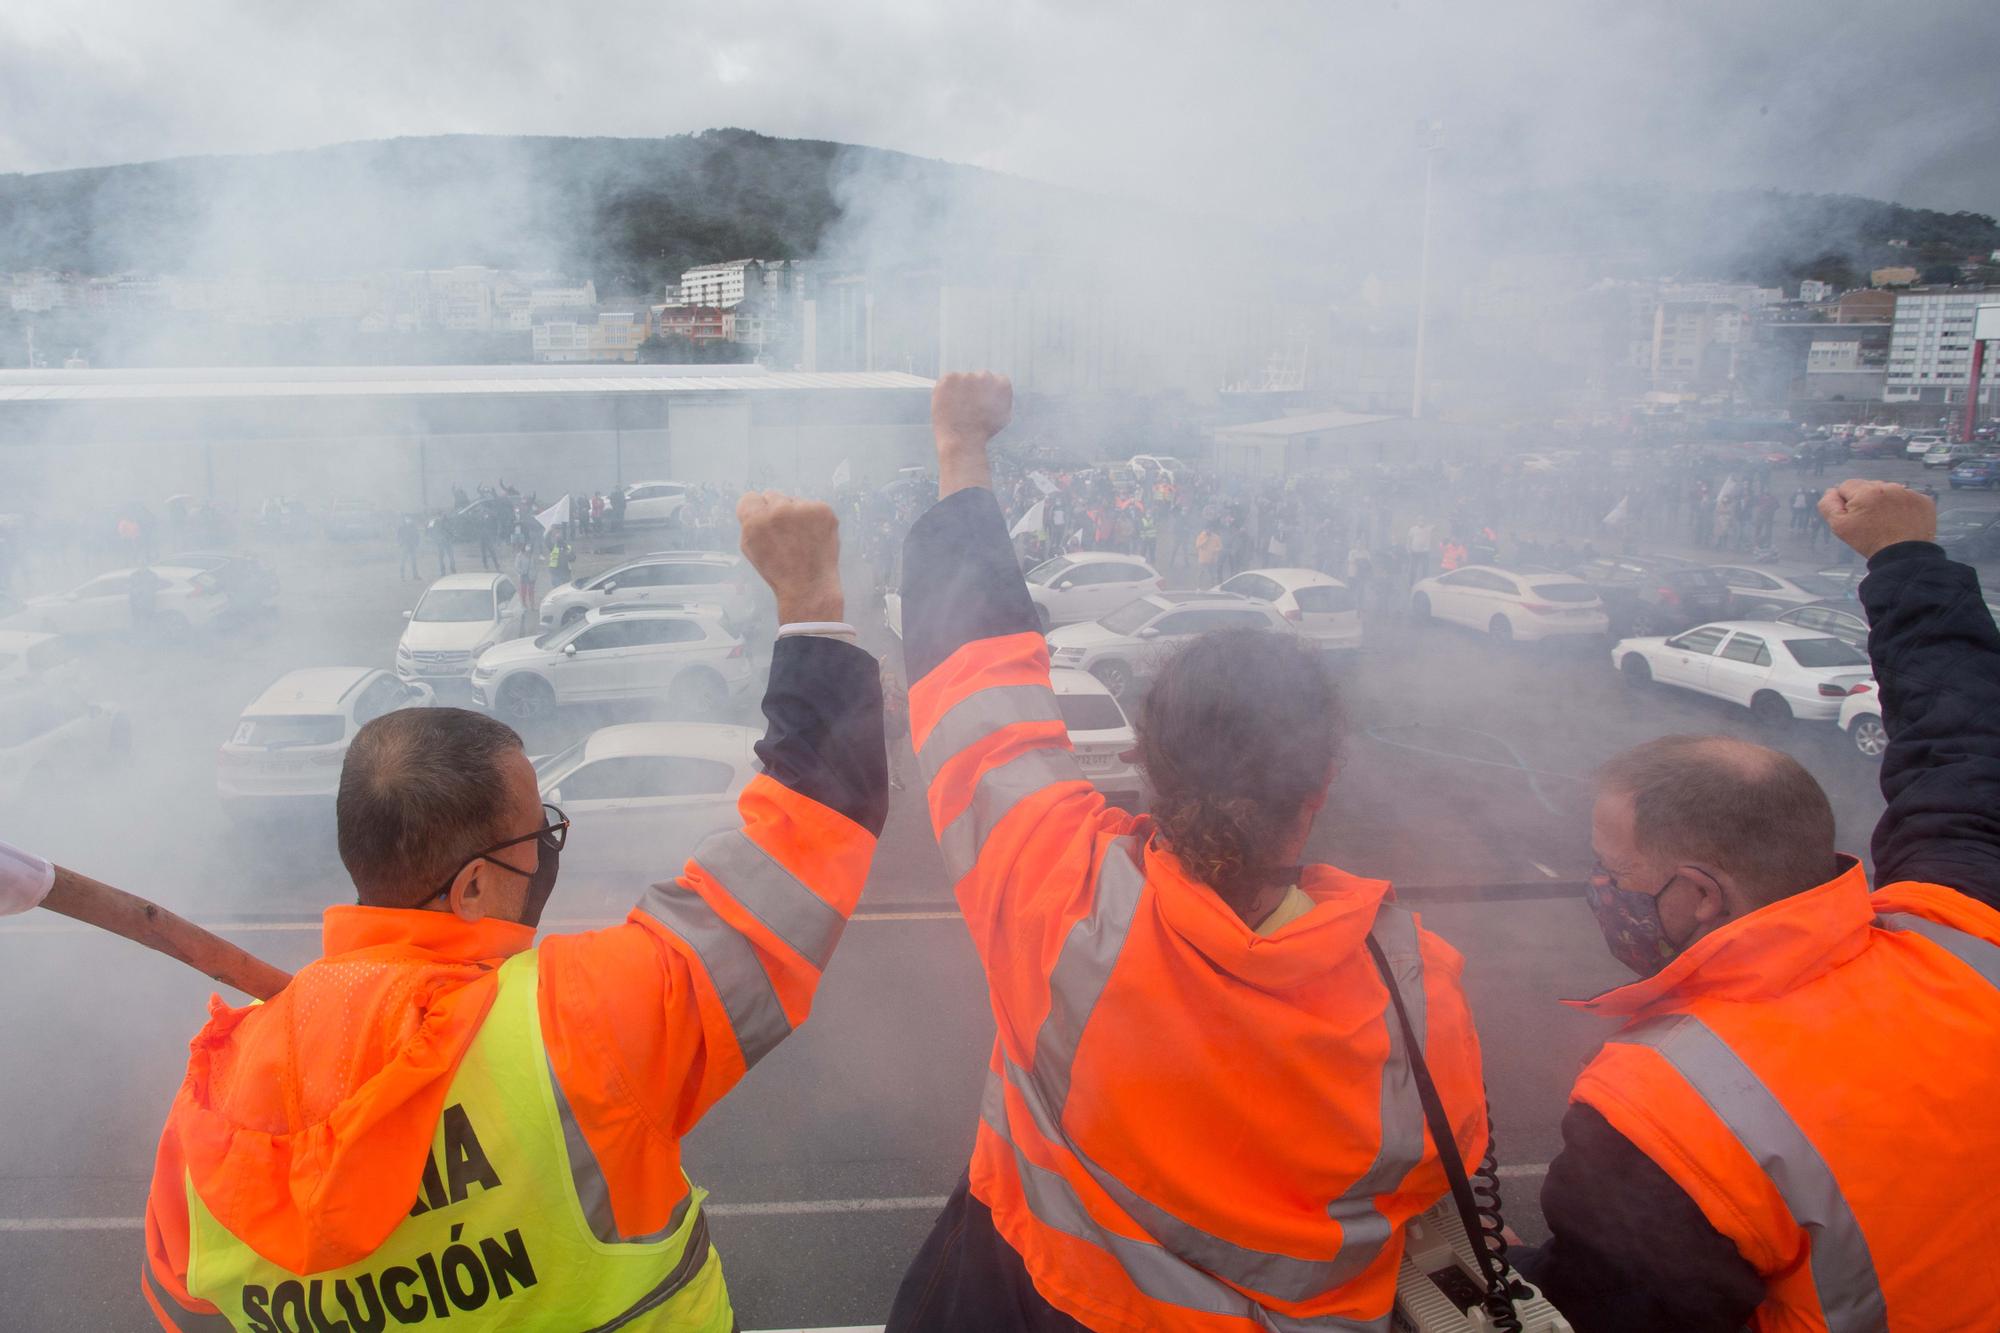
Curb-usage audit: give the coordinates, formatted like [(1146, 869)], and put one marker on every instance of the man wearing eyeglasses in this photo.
[(440, 1118), (1794, 1126)]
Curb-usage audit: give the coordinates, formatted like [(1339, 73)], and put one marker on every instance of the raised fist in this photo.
[(794, 545), (1869, 515), (967, 410)]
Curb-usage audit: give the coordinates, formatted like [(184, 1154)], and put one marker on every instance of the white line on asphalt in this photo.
[(1544, 869), (1523, 1169)]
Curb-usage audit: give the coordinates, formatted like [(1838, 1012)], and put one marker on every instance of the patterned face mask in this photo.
[(1631, 922)]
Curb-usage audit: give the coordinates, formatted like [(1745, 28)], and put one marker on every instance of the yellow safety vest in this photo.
[(511, 1227)]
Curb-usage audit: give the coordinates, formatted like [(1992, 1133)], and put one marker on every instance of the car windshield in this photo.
[(441, 604), (1562, 592), (300, 729), (1090, 712), (1825, 653), (555, 637), (1048, 569), (1128, 618), (552, 768)]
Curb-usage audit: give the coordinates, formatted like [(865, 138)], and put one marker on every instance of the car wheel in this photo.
[(1502, 629), (526, 698), (1644, 624), (574, 614), (698, 693), (1770, 709), (1117, 677), (1870, 737), (1636, 670), (1420, 606)]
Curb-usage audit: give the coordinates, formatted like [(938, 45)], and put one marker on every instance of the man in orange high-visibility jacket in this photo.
[(1200, 1112), (441, 1119), (1794, 1128)]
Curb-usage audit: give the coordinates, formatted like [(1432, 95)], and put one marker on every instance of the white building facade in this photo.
[(1930, 347)]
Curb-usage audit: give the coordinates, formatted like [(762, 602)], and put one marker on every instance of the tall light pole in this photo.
[(1430, 138)]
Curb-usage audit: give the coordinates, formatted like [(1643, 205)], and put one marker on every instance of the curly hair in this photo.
[(1237, 735)]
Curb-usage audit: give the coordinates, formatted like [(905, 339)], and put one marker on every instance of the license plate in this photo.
[(1096, 760)]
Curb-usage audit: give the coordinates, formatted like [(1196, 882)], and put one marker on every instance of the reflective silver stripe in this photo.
[(184, 1319), (1843, 1271), (691, 1260), (1979, 955), (772, 894), (593, 1190), (1153, 1270), (739, 978), (980, 714), (1000, 790), (1083, 968)]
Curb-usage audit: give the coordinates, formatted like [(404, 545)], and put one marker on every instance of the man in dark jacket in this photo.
[(1632, 1249)]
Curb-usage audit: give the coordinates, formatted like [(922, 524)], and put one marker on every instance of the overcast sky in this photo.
[(1286, 108)]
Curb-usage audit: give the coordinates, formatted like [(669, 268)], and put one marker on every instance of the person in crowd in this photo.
[(560, 555), (1792, 1128), (526, 566), (1198, 1113), (1207, 556), (488, 524), (1453, 554), (439, 531), (441, 1117), (1417, 546), (1802, 510), (409, 539)]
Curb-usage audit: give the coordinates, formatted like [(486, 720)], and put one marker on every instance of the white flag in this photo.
[(1030, 521), (1619, 511), (557, 513), (1043, 483), (842, 474)]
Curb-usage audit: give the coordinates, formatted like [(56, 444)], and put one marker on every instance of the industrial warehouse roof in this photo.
[(279, 382), (1309, 424)]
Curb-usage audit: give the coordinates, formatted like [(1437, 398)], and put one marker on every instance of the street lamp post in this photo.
[(1431, 138)]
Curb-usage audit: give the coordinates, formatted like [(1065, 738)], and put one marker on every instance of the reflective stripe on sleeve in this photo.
[(772, 894), (182, 1318), (1977, 954), (1083, 967), (733, 968), (999, 791), (593, 1190), (1843, 1270), (980, 714)]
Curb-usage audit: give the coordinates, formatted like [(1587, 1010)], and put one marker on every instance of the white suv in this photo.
[(666, 577), (1134, 642), (1084, 585), (291, 741), (1320, 605), (619, 654), (1099, 733), (458, 618), (655, 501)]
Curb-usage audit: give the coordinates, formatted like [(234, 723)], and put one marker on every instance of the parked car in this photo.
[(248, 581), (1950, 454), (1879, 446), (1775, 671), (641, 796), (1130, 645), (1652, 594), (459, 617), (1511, 604), (1084, 585), (284, 518), (491, 514), (670, 577), (350, 519), (184, 598), (1760, 594), (48, 729), (1100, 733), (1861, 720), (1983, 473), (1320, 605), (1922, 443), (31, 659), (655, 501), (618, 654), (289, 744), (1145, 466), (1843, 618), (1969, 534)]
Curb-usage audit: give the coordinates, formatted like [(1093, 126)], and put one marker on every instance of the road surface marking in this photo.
[(1544, 869), (1523, 1170)]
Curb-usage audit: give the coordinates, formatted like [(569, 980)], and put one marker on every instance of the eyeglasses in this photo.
[(551, 836)]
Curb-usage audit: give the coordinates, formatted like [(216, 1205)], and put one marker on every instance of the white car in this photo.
[(1922, 443), (1949, 454), (292, 739), (183, 597), (1861, 720), (641, 796), (44, 730), (1133, 642), (1145, 465), (663, 576), (458, 618), (1510, 605), (684, 655), (1084, 585), (655, 501), (1099, 733), (1320, 605), (1775, 671), (1760, 594), (29, 659)]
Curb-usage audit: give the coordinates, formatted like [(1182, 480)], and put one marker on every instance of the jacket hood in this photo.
[(306, 1122)]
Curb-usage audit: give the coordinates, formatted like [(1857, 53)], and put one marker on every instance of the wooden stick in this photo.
[(152, 925)]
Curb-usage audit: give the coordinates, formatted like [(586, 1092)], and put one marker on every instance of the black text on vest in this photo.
[(463, 1165)]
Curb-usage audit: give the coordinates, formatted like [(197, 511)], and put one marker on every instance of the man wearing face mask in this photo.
[(1794, 1127), (440, 1118)]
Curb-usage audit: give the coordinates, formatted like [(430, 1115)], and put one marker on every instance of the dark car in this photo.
[(489, 513), (1844, 620), (1969, 534), (1652, 594), (355, 520), (1981, 472), (1880, 446)]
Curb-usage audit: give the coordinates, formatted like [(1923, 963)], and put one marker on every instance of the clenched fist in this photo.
[(1869, 515), (795, 546), (967, 411)]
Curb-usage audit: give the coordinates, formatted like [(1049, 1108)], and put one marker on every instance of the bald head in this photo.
[(1745, 811)]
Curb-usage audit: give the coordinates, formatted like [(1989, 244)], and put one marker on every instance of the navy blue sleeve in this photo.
[(960, 581), (1937, 664), (824, 740)]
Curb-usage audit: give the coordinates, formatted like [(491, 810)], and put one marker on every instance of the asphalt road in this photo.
[(1465, 771)]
